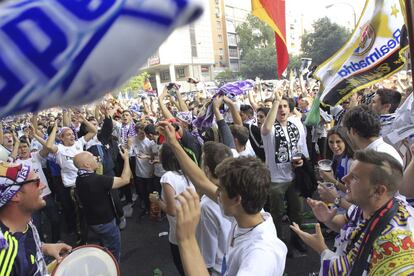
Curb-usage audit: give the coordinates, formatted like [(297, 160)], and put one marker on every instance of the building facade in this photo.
[(202, 49), (187, 52)]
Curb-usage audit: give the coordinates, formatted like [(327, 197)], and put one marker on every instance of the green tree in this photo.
[(327, 38), (226, 75), (260, 63), (135, 83), (257, 47), (294, 62)]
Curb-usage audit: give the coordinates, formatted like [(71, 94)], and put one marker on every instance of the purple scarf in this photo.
[(232, 90)]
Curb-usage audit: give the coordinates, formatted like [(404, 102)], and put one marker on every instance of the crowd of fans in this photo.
[(227, 188)]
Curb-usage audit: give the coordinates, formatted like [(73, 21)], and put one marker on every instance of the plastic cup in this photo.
[(325, 165)]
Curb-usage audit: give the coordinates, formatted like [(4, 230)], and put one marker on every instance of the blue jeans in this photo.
[(110, 237)]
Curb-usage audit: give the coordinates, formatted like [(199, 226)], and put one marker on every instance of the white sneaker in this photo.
[(122, 223), (134, 197), (128, 210)]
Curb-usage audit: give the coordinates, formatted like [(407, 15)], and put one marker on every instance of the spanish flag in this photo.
[(272, 12), (147, 85)]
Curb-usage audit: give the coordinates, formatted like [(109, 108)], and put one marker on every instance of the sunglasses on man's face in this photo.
[(35, 181)]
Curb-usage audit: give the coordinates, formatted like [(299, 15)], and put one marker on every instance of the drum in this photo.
[(87, 260)]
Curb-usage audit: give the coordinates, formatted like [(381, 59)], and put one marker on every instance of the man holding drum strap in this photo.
[(94, 194), (21, 251)]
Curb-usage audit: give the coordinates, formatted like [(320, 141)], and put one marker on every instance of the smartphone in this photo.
[(170, 86)]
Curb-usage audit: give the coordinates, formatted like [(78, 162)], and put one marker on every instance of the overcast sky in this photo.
[(312, 10), (339, 13)]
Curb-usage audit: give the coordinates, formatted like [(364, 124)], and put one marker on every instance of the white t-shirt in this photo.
[(255, 252), (179, 183), (64, 158), (94, 141), (35, 145), (281, 172), (248, 151), (143, 168), (381, 146), (35, 162), (212, 233)]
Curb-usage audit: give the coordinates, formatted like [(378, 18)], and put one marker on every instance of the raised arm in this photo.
[(16, 145), (224, 129), (126, 171), (44, 151), (50, 144), (164, 110), (252, 101), (233, 110), (271, 116), (66, 117), (188, 216), (183, 106), (196, 175), (89, 126)]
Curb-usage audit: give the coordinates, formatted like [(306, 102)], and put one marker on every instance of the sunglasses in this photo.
[(35, 181)]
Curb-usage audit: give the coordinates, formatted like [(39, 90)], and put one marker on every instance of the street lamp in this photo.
[(344, 3)]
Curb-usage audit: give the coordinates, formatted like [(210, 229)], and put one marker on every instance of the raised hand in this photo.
[(188, 215), (315, 241), (321, 210), (168, 131)]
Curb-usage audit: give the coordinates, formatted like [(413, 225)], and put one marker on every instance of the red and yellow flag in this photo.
[(272, 12)]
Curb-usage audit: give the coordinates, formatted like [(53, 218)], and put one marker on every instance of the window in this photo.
[(218, 24), (233, 52), (220, 38), (180, 72), (221, 52), (232, 39), (217, 12), (165, 76), (234, 66), (193, 41)]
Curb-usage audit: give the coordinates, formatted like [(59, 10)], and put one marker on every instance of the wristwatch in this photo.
[(337, 201)]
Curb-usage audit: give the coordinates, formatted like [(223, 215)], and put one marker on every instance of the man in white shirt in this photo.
[(214, 227), (144, 169), (241, 138), (364, 131), (35, 160), (282, 141), (253, 247), (64, 154), (384, 103)]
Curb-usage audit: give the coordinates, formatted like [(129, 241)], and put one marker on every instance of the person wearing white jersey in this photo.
[(253, 247), (64, 154), (35, 160)]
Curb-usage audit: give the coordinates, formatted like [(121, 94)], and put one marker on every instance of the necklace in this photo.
[(242, 234)]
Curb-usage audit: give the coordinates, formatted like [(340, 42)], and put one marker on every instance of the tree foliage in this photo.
[(294, 62), (258, 52), (135, 83), (226, 75), (324, 41), (259, 63)]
